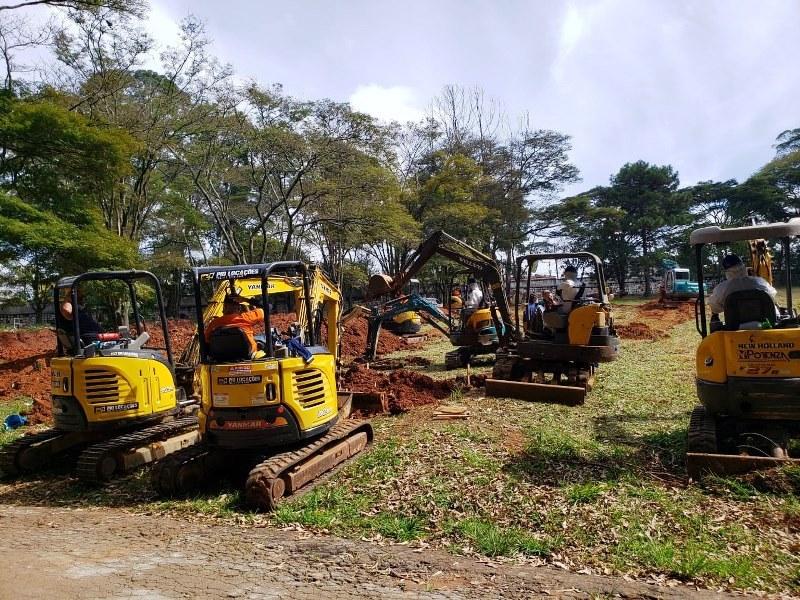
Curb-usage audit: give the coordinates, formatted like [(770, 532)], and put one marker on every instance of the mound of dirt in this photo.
[(639, 331), (405, 389), (652, 321), (354, 339), (24, 368)]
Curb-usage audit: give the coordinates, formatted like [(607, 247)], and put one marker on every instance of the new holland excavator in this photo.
[(275, 414), (115, 399), (556, 361), (748, 364), (476, 330)]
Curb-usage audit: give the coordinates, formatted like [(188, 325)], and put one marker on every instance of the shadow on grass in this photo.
[(57, 486), (621, 447)]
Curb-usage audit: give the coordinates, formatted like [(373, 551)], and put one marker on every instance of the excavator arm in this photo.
[(760, 259), (481, 265), (413, 302)]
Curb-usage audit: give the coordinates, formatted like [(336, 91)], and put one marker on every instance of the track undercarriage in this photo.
[(103, 455), (728, 446), (270, 477)]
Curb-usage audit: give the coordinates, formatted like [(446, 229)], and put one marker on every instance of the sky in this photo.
[(703, 85)]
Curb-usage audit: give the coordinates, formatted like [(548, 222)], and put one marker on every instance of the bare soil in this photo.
[(652, 321), (110, 553)]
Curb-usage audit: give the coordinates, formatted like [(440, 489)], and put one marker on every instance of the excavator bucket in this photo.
[(536, 392), (699, 464), (379, 285)]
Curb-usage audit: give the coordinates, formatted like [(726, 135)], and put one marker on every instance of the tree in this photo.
[(591, 223), (788, 141), (654, 208), (53, 166), (130, 7)]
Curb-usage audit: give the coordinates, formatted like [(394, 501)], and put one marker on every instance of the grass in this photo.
[(600, 487)]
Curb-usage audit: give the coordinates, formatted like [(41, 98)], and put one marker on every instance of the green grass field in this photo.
[(599, 487)]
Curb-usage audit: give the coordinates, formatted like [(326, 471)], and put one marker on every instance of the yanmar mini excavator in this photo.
[(274, 414), (116, 399), (556, 361)]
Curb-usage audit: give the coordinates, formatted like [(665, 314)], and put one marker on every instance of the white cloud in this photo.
[(394, 103)]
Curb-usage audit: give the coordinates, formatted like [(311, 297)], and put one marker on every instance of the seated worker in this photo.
[(569, 290), (455, 299), (236, 313), (548, 301), (89, 328), (736, 279), (474, 295), (532, 315)]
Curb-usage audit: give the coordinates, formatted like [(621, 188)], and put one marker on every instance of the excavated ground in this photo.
[(651, 321)]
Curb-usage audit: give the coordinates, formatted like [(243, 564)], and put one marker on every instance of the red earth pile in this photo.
[(652, 321), (24, 369), (354, 339), (405, 389)]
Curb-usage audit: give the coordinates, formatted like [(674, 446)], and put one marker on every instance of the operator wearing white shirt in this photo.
[(474, 294), (736, 279), (569, 290)]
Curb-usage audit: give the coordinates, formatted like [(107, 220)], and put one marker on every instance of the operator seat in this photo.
[(748, 306), (229, 344)]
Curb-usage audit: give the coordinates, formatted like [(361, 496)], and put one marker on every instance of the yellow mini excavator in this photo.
[(748, 364), (274, 414), (114, 397), (554, 358), (476, 329)]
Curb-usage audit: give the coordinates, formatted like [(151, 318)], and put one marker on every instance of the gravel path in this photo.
[(109, 553)]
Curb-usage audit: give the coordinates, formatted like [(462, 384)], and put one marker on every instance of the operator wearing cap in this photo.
[(736, 279), (235, 313)]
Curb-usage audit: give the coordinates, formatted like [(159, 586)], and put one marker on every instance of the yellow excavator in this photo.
[(748, 364), (476, 329), (554, 358), (116, 399), (275, 412)]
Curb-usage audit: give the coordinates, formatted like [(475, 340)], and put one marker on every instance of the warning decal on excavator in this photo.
[(239, 380)]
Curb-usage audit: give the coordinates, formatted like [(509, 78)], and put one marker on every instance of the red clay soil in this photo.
[(24, 368), (652, 321), (405, 389), (354, 339)]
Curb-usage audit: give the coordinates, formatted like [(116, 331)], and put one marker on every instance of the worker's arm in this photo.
[(716, 301), (66, 310)]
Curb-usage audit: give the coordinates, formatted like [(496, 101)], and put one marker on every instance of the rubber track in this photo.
[(90, 459), (259, 483), (9, 452), (702, 433), (164, 476)]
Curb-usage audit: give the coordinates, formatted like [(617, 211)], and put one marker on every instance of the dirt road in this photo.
[(108, 553)]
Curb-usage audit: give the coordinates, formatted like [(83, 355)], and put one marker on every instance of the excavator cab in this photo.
[(276, 396), (748, 363)]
